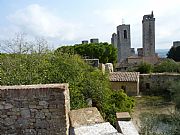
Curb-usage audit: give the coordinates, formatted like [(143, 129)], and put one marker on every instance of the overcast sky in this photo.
[(64, 22)]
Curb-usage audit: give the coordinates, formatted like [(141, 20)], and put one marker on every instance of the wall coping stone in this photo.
[(123, 116), (165, 73), (36, 86), (85, 116)]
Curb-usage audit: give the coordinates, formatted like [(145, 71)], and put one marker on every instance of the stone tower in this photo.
[(123, 42), (114, 40), (148, 26)]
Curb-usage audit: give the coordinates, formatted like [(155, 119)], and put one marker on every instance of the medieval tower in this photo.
[(148, 29), (123, 42), (114, 40)]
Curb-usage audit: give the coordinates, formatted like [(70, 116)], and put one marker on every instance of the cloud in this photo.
[(166, 14), (39, 21)]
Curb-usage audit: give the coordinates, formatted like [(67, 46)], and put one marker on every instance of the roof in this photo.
[(124, 76)]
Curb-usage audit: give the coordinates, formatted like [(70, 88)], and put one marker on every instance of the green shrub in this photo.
[(145, 68), (168, 65)]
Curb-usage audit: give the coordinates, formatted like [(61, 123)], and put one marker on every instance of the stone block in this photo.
[(123, 116), (96, 129), (8, 106), (43, 103), (85, 116), (25, 112), (39, 115)]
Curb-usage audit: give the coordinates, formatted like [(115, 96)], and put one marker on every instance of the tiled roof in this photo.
[(124, 76)]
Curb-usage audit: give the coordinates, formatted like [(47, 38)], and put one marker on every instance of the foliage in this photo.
[(145, 68), (167, 66), (175, 93), (118, 102), (160, 124), (174, 53), (105, 52), (84, 81)]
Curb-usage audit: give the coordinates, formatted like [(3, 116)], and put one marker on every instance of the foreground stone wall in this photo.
[(157, 81), (34, 109)]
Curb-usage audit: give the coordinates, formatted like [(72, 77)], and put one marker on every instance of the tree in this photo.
[(168, 65), (174, 53), (145, 68), (103, 51), (20, 45), (175, 93)]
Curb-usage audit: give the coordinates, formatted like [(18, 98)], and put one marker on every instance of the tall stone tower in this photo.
[(114, 40), (148, 26), (123, 42)]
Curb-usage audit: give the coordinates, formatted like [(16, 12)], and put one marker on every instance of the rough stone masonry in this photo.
[(34, 109)]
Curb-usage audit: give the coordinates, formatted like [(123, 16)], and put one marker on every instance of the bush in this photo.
[(160, 124), (145, 68), (167, 66)]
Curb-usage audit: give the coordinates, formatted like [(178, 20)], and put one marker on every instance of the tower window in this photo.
[(125, 34)]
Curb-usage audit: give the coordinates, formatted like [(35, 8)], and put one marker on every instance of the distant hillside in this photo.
[(162, 52)]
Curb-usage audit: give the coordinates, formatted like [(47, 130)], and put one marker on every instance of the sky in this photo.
[(68, 22)]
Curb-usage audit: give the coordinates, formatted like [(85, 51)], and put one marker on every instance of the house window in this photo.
[(147, 85), (125, 34)]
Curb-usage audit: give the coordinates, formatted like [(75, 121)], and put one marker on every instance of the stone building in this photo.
[(122, 41), (128, 81), (94, 40), (176, 43), (114, 40), (148, 32), (85, 42)]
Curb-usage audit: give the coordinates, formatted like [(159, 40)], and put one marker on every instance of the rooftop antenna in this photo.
[(122, 20)]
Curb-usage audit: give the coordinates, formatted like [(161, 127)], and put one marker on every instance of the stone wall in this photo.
[(34, 109), (156, 81)]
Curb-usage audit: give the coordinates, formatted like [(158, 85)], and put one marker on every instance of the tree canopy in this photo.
[(105, 52), (174, 53), (144, 68), (168, 65)]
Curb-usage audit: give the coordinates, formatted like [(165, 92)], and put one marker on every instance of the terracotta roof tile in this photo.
[(124, 76)]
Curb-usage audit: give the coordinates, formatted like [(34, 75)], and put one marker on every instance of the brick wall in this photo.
[(34, 109)]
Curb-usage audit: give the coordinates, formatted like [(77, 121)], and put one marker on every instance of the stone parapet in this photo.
[(34, 109)]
